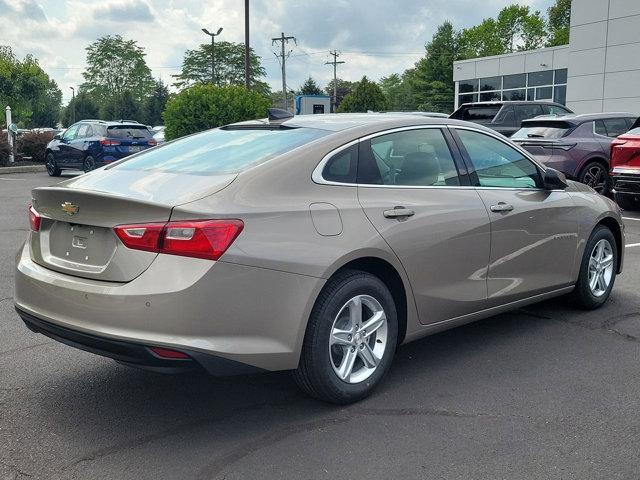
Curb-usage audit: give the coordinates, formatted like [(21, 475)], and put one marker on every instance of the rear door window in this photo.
[(615, 126), (477, 113), (417, 157), (524, 112)]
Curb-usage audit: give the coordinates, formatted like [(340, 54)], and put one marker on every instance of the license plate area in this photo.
[(78, 246), (135, 149)]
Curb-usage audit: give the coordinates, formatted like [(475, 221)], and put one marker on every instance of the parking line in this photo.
[(633, 245), (629, 218)]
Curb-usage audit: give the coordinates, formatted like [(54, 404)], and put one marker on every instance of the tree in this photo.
[(82, 107), (154, 105), (310, 87), (480, 41), (366, 96), (229, 67), (202, 107), (344, 87), (558, 23), (33, 96), (398, 92), (116, 66), (123, 106)]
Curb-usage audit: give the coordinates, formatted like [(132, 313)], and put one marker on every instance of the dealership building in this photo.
[(599, 71)]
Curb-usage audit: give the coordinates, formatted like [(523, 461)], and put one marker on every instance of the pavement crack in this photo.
[(24, 349), (16, 469), (608, 326)]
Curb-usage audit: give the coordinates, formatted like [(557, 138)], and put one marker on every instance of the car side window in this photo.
[(556, 110), (616, 126), (497, 164), (506, 116), (82, 131), (599, 128), (342, 166), (524, 112), (70, 134), (417, 157)]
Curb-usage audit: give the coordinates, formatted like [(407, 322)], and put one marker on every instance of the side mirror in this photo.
[(554, 180), (57, 136)]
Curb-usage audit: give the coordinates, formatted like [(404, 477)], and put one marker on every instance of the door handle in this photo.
[(501, 207), (398, 212)]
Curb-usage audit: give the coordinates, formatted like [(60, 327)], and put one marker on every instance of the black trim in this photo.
[(134, 354)]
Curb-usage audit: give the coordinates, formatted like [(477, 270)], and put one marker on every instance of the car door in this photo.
[(533, 229), (64, 155), (412, 191), (77, 145)]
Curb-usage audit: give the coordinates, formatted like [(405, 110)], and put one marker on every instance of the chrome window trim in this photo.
[(317, 177)]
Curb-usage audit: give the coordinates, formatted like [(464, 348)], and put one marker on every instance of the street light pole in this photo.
[(213, 54), (73, 104)]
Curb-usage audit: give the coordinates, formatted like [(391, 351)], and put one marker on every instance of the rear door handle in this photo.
[(398, 212), (501, 207)]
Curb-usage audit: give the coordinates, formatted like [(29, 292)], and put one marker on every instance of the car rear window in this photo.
[(478, 113), (128, 131), (542, 129), (221, 151)]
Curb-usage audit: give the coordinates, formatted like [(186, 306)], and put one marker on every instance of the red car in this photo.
[(625, 168)]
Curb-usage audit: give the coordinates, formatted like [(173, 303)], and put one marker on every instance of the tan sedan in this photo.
[(316, 244)]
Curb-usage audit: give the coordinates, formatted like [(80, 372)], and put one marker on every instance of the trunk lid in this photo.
[(76, 236)]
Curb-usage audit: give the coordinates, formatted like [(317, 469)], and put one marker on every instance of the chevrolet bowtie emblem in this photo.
[(70, 208)]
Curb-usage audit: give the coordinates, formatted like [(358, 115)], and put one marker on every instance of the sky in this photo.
[(375, 37)]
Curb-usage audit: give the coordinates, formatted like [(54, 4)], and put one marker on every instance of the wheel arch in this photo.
[(598, 158), (613, 225), (390, 276)]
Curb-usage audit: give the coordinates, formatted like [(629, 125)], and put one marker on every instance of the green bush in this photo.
[(33, 145), (5, 150), (366, 95), (202, 107)]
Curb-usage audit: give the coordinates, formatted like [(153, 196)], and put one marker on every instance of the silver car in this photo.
[(316, 244)]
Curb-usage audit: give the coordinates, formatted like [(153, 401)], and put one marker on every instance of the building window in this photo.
[(543, 85)]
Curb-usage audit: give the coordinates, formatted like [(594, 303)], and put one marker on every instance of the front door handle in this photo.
[(501, 207), (398, 212)]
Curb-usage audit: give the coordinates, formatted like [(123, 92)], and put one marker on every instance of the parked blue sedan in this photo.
[(91, 144)]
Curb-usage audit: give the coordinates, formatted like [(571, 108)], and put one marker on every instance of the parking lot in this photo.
[(544, 392)]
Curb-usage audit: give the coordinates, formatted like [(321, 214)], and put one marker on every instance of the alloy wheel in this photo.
[(50, 165), (596, 177), (600, 268), (358, 339)]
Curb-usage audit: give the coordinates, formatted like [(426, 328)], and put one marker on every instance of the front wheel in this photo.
[(595, 175), (350, 340), (597, 270), (52, 166)]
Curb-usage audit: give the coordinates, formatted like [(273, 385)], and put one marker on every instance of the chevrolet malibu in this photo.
[(316, 244)]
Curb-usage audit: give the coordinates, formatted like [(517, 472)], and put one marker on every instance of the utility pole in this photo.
[(283, 57), (335, 64), (213, 54), (247, 50), (73, 103)]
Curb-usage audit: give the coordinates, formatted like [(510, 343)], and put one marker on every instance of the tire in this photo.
[(322, 364), (627, 202), (52, 166), (88, 164), (596, 175), (584, 295)]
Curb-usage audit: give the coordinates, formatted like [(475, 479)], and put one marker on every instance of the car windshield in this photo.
[(128, 131), (540, 129), (221, 151), (483, 113)]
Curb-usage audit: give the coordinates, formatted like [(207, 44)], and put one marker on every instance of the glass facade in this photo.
[(543, 85)]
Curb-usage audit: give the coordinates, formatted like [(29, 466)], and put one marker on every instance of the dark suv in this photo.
[(506, 117), (91, 144), (577, 145)]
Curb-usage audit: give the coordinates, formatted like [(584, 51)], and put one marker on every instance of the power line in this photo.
[(283, 58), (335, 64)]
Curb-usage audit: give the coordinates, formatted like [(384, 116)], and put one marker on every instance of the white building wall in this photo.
[(603, 58)]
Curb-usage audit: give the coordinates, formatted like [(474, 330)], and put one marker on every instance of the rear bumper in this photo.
[(134, 354), (247, 315), (626, 180)]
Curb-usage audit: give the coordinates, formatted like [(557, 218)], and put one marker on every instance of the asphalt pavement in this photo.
[(547, 392)]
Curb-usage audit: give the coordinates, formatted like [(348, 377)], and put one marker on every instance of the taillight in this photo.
[(152, 142), (34, 219), (109, 142), (207, 239)]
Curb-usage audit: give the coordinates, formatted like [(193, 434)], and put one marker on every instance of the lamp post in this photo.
[(213, 57), (73, 104)]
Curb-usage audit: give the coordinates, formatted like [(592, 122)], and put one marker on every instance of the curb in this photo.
[(23, 169)]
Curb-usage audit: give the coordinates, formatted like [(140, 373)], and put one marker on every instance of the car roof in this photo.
[(513, 102), (579, 119), (337, 122), (110, 123)]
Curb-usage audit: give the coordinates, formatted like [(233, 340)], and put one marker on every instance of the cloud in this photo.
[(124, 12)]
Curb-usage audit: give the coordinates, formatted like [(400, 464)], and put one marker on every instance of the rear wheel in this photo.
[(350, 340), (628, 202), (597, 270), (52, 166), (89, 164), (595, 175)]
